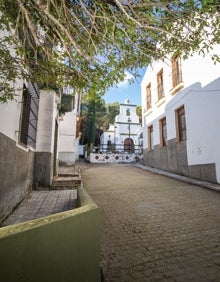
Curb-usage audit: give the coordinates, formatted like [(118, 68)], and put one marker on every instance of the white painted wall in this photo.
[(203, 127), (197, 71), (201, 99), (10, 113), (46, 121), (119, 131), (122, 116), (67, 135), (68, 141), (110, 132)]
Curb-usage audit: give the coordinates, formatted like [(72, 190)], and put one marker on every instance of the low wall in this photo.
[(61, 247), (114, 158)]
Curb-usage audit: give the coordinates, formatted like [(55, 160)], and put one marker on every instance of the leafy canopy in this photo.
[(89, 44)]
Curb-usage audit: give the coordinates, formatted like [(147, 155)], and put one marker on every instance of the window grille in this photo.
[(29, 115)]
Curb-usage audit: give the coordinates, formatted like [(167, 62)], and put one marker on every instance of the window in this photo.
[(127, 112), (148, 96), (180, 124), (163, 132), (160, 89), (29, 115), (24, 117), (176, 71), (150, 138)]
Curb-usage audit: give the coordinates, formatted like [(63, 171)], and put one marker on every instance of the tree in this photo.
[(92, 110), (139, 112), (96, 117), (89, 44)]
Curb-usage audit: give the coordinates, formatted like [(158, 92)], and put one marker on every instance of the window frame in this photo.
[(29, 115), (148, 96), (176, 71), (150, 131), (128, 112), (163, 137), (160, 85), (180, 116)]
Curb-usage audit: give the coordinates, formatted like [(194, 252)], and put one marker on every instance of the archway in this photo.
[(129, 145)]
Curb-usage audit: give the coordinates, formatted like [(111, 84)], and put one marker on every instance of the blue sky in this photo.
[(124, 90)]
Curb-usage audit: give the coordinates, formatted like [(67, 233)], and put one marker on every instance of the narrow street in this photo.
[(154, 228)]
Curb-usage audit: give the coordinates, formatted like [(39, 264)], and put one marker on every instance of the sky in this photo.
[(125, 90)]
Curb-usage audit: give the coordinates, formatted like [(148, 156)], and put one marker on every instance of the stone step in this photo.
[(75, 174), (66, 182)]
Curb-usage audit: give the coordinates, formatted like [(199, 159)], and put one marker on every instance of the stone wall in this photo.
[(16, 174), (173, 158)]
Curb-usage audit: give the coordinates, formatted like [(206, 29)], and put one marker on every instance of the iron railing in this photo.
[(118, 149)]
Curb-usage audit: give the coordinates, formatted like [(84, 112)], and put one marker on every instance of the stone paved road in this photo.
[(154, 228)]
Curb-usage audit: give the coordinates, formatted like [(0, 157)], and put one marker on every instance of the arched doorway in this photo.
[(129, 145)]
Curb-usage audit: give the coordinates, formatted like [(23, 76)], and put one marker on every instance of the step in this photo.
[(66, 182), (69, 174)]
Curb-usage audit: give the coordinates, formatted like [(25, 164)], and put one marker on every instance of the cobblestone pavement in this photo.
[(154, 228), (42, 203)]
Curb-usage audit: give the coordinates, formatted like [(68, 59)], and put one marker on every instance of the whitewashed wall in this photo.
[(67, 136), (201, 99), (68, 141), (10, 114), (46, 121), (197, 71), (119, 131), (203, 126)]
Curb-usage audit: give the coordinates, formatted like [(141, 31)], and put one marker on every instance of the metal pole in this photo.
[(129, 134), (115, 137)]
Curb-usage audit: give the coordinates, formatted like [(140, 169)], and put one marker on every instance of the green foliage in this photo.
[(139, 112), (96, 117), (97, 40)]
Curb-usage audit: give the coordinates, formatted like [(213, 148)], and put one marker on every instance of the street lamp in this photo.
[(109, 143), (129, 133), (129, 120), (115, 127)]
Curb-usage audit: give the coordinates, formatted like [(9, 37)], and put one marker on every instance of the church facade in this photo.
[(123, 136), (121, 142)]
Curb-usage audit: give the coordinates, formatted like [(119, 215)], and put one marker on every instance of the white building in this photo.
[(180, 102), (69, 134), (28, 142), (124, 132)]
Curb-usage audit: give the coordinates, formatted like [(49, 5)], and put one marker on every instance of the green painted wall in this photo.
[(58, 248)]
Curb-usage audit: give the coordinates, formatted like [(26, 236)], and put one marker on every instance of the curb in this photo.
[(204, 184)]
